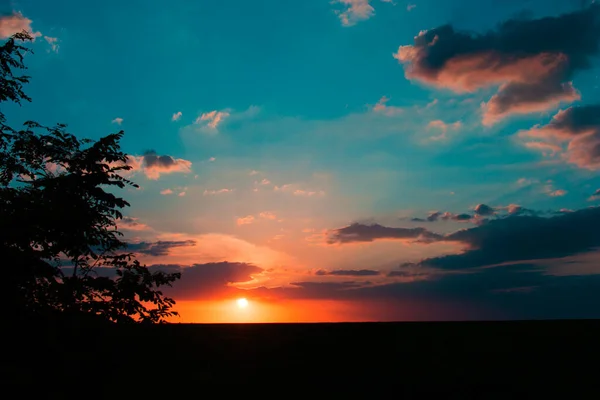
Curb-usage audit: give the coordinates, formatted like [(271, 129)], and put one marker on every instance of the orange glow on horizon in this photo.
[(232, 311)]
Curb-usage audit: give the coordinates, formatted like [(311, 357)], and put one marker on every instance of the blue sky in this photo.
[(299, 110)]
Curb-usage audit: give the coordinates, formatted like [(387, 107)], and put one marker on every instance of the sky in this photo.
[(345, 160)]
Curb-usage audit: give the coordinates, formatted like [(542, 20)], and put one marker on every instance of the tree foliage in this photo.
[(59, 243)]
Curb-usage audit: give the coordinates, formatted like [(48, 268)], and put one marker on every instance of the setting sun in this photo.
[(242, 303)]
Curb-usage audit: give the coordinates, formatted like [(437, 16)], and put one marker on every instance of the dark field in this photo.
[(387, 360)]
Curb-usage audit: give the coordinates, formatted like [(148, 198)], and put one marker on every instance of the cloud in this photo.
[(268, 215), (573, 133), (166, 192), (53, 42), (367, 233), (117, 121), (176, 116), (131, 224), (355, 11), (411, 7), (216, 192), (557, 193), (530, 61), (212, 159), (348, 272), (444, 216), (159, 248), (443, 127), (15, 23), (212, 119), (382, 108), (153, 165), (200, 281), (595, 196), (297, 191), (522, 238), (245, 220), (484, 210)]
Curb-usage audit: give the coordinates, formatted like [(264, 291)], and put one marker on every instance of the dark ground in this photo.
[(494, 360)]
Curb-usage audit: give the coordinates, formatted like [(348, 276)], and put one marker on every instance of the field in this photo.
[(453, 360)]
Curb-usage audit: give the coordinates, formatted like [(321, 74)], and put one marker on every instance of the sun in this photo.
[(242, 303)]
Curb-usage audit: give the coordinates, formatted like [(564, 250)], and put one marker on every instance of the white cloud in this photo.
[(117, 121), (176, 116)]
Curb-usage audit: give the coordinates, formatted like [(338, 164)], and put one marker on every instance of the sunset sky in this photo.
[(345, 160)]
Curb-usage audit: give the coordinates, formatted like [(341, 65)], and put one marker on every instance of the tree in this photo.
[(58, 219)]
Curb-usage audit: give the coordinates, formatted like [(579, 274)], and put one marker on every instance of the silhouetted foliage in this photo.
[(58, 219)]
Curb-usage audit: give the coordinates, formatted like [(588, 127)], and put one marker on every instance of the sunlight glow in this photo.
[(242, 303)]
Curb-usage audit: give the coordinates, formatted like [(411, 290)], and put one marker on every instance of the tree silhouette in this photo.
[(58, 220)]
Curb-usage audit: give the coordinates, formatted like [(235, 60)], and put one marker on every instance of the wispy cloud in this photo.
[(212, 119), (247, 220), (166, 192), (176, 116), (53, 42), (443, 127), (117, 121), (216, 192), (381, 107)]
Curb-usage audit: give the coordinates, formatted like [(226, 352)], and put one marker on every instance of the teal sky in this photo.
[(300, 112)]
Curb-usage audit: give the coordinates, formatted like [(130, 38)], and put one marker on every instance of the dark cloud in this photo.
[(160, 248), (349, 272), (575, 132), (519, 238), (152, 159), (510, 238), (367, 233), (207, 280), (444, 216), (531, 60), (484, 210), (517, 291)]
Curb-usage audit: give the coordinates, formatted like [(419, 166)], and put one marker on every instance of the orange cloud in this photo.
[(573, 133), (356, 10), (532, 72), (247, 220), (268, 215), (166, 192), (153, 165), (15, 23)]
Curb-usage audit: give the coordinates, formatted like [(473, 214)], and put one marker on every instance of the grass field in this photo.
[(370, 360)]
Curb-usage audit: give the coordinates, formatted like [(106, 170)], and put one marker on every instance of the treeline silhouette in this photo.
[(58, 221)]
